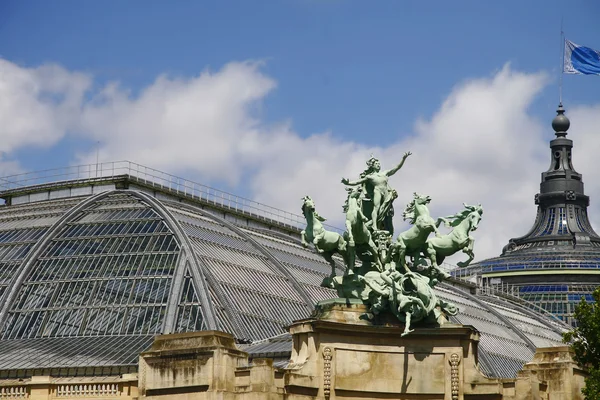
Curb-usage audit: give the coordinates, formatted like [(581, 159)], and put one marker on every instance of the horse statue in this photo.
[(438, 248), (326, 243), (411, 242), (357, 232)]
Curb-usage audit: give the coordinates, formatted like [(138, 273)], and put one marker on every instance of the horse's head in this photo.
[(420, 199), (474, 216), (307, 205), (354, 193)]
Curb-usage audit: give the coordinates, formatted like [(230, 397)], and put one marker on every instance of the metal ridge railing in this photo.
[(526, 266), (512, 292), (158, 179)]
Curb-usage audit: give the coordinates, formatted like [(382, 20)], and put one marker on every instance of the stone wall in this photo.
[(339, 355), (56, 388), (335, 356)]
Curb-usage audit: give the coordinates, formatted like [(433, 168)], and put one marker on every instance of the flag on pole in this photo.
[(580, 59)]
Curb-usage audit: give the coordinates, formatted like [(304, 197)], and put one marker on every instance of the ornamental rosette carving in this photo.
[(327, 357), (454, 378)]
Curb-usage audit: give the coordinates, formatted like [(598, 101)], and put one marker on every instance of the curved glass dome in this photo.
[(557, 263), (91, 270)]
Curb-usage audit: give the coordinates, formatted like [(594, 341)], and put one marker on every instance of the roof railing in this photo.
[(513, 293), (526, 265), (155, 178)]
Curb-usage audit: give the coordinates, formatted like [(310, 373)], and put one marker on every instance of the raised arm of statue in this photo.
[(392, 171), (354, 183)]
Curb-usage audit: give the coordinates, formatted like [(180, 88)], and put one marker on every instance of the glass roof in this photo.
[(120, 266), (106, 271)]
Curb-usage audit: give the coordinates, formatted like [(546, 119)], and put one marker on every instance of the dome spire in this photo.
[(562, 203), (560, 123)]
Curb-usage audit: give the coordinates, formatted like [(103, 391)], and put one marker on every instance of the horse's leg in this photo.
[(360, 215), (444, 220), (341, 243), (468, 250), (345, 251), (402, 256), (471, 244), (328, 281), (436, 271), (375, 254), (303, 237), (318, 237), (349, 230), (350, 259), (435, 229), (431, 254), (328, 257), (416, 259)]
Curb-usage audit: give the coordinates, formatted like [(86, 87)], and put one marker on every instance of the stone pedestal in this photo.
[(191, 365), (556, 367), (339, 354), (39, 388)]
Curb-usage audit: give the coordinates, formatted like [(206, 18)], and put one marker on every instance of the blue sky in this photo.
[(357, 68), (331, 74)]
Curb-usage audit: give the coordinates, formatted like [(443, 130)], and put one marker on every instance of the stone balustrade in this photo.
[(48, 388)]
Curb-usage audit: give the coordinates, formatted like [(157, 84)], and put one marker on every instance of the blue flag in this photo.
[(581, 59)]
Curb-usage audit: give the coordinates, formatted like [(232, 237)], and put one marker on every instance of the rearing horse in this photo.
[(438, 248), (326, 243), (411, 242)]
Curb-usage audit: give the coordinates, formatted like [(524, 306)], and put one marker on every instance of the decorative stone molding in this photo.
[(13, 392), (454, 380), (327, 356), (570, 195), (88, 390), (571, 209)]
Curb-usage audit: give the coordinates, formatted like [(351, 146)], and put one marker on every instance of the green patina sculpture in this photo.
[(326, 243), (463, 223), (398, 275), (380, 194), (411, 242), (358, 234)]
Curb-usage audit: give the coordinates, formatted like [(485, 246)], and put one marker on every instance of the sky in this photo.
[(273, 100)]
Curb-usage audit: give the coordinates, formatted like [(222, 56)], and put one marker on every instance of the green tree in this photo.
[(585, 342)]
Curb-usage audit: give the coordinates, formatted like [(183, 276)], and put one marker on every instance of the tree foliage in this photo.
[(585, 342)]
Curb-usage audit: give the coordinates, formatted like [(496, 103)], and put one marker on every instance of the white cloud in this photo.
[(481, 146), (585, 133), (204, 124), (38, 105)]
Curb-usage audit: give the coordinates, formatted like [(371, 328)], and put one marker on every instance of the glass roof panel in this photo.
[(189, 311), (89, 274)]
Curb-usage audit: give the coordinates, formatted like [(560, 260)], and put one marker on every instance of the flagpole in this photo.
[(562, 57)]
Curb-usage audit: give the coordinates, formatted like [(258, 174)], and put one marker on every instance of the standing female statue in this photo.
[(375, 184)]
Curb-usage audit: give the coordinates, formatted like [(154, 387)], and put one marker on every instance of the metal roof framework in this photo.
[(91, 273)]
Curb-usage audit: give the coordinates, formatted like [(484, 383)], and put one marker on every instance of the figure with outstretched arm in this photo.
[(375, 182)]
